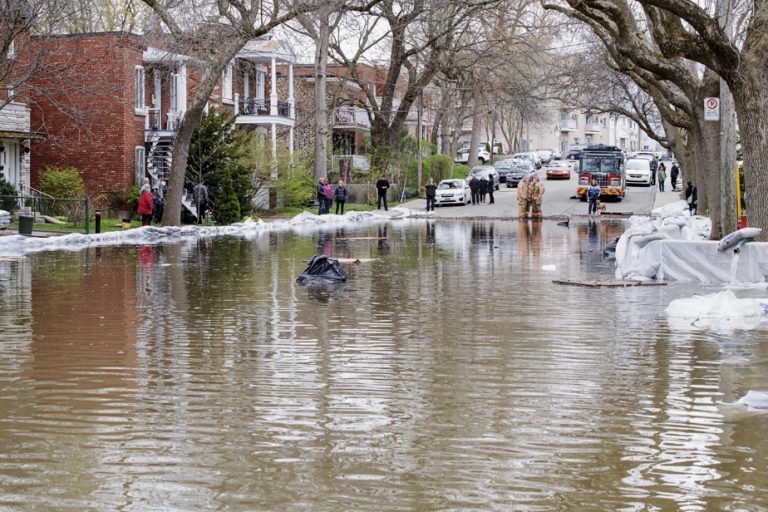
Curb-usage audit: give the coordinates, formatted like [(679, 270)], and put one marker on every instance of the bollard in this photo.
[(97, 220)]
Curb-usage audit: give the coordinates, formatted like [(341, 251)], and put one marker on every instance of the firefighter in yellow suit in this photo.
[(522, 197), (536, 196)]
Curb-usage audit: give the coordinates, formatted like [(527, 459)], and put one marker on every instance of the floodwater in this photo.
[(450, 373)]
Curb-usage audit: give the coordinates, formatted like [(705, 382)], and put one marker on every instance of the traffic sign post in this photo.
[(711, 109)]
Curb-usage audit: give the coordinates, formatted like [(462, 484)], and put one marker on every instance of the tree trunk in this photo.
[(477, 121), (322, 129), (752, 113)]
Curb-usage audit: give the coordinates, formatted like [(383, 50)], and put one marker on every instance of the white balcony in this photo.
[(593, 128), (568, 125), (259, 111), (351, 119)]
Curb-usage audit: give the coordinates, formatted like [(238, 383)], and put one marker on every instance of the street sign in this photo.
[(711, 109)]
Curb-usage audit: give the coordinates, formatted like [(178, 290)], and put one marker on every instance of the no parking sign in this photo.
[(711, 109)]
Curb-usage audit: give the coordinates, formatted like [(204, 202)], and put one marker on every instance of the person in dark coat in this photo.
[(158, 204), (692, 198), (200, 197), (340, 196), (431, 192), (491, 187), (654, 164), (483, 189), (382, 185), (474, 188), (673, 174), (321, 196)]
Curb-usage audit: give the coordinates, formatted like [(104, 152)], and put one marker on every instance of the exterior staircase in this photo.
[(159, 156)]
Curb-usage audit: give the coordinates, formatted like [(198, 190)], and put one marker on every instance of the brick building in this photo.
[(113, 110)]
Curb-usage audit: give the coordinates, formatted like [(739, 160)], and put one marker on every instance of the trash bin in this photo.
[(25, 224)]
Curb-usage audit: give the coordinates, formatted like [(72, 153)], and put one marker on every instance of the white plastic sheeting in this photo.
[(17, 245), (673, 245), (721, 311)]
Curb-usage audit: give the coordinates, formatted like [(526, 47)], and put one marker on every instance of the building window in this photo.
[(139, 85), (11, 53), (140, 164), (260, 88), (226, 84)]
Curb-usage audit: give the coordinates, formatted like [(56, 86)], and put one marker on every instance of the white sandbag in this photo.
[(721, 311), (732, 239)]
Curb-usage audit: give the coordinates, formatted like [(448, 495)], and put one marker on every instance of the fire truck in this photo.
[(606, 165)]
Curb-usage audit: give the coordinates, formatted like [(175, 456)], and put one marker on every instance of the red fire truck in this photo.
[(606, 165)]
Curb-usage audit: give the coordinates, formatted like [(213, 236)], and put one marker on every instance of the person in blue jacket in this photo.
[(593, 195)]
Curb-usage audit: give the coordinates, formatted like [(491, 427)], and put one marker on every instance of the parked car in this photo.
[(638, 171), (484, 172), (558, 172), (452, 192), (574, 153), (522, 169), (533, 157), (545, 155), (557, 154), (462, 156), (647, 155), (503, 167), (5, 219)]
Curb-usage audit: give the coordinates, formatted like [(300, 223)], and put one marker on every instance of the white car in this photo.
[(452, 192), (545, 155), (638, 171), (5, 219), (462, 156), (530, 156)]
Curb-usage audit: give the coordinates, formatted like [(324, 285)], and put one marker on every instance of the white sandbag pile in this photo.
[(721, 311), (674, 245), (5, 219), (17, 245)]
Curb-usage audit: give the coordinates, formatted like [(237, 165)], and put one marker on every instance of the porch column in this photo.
[(290, 93), (290, 143), (273, 174), (273, 95)]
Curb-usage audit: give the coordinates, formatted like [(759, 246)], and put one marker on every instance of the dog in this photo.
[(601, 207)]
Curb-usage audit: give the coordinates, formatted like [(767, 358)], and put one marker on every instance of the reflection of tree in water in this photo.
[(218, 271)]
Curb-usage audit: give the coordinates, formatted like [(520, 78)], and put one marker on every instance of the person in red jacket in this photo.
[(145, 205)]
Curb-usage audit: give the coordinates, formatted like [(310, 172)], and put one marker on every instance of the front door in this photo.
[(9, 160)]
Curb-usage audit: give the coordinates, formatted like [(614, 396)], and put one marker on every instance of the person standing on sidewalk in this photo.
[(340, 195), (145, 205), (321, 196), (474, 188), (431, 192), (382, 185), (662, 175), (491, 187), (692, 198), (673, 174)]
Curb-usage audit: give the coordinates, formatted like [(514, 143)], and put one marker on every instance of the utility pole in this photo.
[(419, 108)]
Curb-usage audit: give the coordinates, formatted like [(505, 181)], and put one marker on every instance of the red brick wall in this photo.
[(85, 108)]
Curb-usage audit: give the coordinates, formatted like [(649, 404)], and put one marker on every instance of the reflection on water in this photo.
[(447, 373)]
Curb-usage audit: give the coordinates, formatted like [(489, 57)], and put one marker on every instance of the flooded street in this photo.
[(450, 373)]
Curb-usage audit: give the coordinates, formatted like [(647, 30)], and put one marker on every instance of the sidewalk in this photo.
[(664, 198)]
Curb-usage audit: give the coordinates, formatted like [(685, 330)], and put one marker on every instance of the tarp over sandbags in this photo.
[(674, 245)]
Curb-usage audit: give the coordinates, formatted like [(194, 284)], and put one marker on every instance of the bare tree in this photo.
[(214, 37)]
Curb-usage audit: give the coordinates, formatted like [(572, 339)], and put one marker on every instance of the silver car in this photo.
[(484, 172)]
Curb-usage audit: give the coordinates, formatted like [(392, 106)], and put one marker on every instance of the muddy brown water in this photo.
[(449, 373)]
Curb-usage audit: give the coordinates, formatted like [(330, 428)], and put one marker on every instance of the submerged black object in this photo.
[(323, 269)]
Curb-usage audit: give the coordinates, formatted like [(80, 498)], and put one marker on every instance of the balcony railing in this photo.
[(155, 120), (592, 127), (351, 118), (568, 124), (263, 107)]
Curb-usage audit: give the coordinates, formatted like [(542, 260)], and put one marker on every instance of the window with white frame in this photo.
[(140, 92), (140, 164), (260, 84), (226, 84), (11, 53)]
